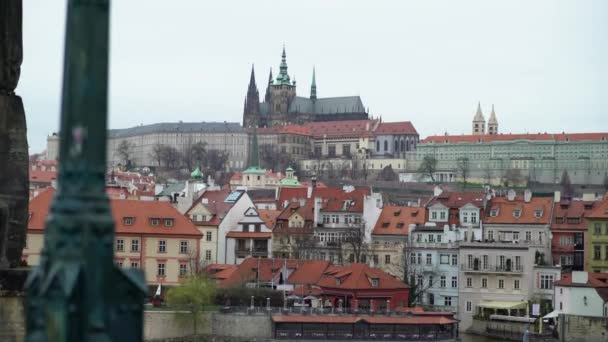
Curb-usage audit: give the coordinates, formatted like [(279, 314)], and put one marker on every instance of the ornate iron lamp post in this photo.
[(77, 293)]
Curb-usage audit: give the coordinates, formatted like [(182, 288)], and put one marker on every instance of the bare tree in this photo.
[(387, 174), (272, 158), (463, 167), (512, 177), (187, 154), (488, 174), (216, 160), (428, 167), (124, 150), (157, 153), (171, 157), (199, 153), (354, 241), (567, 188)]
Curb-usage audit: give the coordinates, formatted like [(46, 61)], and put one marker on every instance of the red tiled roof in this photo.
[(303, 291), (527, 211), (309, 272), (360, 278), (269, 217), (456, 200), (39, 176), (600, 211), (573, 210), (342, 129), (252, 235), (216, 205), (511, 137), (333, 197), (394, 128), (286, 129), (414, 320), (593, 280), (268, 270), (140, 211), (395, 220), (291, 194)]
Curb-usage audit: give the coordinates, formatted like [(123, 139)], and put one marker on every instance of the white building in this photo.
[(582, 293), (249, 238)]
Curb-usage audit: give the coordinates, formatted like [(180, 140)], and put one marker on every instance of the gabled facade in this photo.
[(250, 237), (582, 293)]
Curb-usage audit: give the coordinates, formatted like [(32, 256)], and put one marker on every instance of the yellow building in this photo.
[(597, 238), (150, 235)]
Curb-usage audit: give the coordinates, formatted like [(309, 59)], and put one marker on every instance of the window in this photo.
[(431, 238), (501, 283), (325, 218), (444, 259), (438, 238), (490, 235), (134, 245), (516, 213), (484, 283), (430, 281), (162, 246), (183, 247), (515, 236), (473, 217), (442, 281), (561, 306), (387, 259), (465, 217), (454, 259), (183, 268), (335, 218), (516, 284), (454, 282), (375, 258), (331, 150), (596, 253), (493, 212), (528, 236), (484, 262), (434, 215), (442, 215), (429, 259), (413, 258), (385, 145), (538, 213), (128, 221), (469, 282), (597, 228), (160, 269), (208, 254), (419, 258), (420, 280), (469, 306), (546, 281), (209, 236), (375, 282), (134, 264), (168, 222), (346, 150), (606, 252), (447, 301), (120, 245), (155, 222)]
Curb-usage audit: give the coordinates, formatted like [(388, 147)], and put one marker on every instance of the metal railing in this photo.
[(492, 268)]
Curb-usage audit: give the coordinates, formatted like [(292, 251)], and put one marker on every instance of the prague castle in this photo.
[(282, 106)]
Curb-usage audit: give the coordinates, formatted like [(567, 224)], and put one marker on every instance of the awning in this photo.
[(495, 304), (553, 314)]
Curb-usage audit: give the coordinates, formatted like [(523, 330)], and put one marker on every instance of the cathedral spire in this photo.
[(479, 122), (493, 123), (267, 97), (283, 77), (313, 86), (252, 86)]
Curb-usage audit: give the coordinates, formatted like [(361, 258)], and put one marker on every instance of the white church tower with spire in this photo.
[(493, 123), (479, 122)]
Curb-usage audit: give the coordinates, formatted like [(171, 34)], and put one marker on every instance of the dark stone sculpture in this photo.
[(14, 191)]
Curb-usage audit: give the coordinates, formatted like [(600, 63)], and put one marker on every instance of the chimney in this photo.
[(527, 195), (580, 277), (510, 195), (317, 210), (557, 197), (302, 202), (313, 181), (309, 191), (437, 191)]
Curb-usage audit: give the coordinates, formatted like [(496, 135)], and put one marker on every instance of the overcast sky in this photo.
[(542, 63)]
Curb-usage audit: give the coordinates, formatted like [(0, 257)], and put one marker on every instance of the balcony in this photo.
[(424, 245), (492, 268), (504, 243)]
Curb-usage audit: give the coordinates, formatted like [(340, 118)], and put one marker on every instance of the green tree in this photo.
[(124, 150), (193, 295), (428, 167)]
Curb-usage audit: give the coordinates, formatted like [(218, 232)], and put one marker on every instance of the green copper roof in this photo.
[(254, 170), (289, 169), (290, 182), (283, 77), (196, 174), (313, 87)]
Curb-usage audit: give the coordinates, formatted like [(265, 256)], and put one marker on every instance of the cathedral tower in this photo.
[(479, 122), (251, 110), (282, 92), (492, 123)]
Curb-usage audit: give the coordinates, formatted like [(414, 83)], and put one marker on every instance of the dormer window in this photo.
[(400, 225), (517, 213), (155, 222), (168, 222), (385, 224), (494, 212), (338, 281), (559, 220), (375, 282), (538, 213), (128, 221)]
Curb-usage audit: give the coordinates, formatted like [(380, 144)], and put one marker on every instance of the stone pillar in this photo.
[(13, 139)]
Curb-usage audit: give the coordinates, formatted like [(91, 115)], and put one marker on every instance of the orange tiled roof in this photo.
[(39, 176), (567, 209), (395, 220), (215, 204), (140, 211), (562, 137), (309, 272), (506, 208), (342, 129), (593, 280), (457, 200)]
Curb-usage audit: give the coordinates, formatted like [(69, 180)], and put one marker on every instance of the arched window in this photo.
[(377, 146), (385, 145), (403, 146), (396, 145), (407, 145)]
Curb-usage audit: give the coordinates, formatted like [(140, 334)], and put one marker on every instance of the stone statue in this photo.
[(13, 139)]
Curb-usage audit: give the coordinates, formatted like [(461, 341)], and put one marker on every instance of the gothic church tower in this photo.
[(282, 92), (493, 123), (479, 122), (251, 111)]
